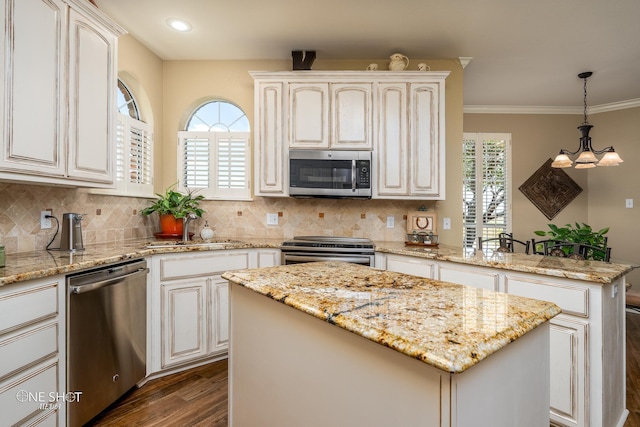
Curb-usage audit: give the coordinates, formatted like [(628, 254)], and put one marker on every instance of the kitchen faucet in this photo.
[(185, 226)]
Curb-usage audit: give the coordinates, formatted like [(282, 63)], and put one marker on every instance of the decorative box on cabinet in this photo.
[(32, 351), (59, 78)]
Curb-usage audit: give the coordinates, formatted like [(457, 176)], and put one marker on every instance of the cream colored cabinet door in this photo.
[(92, 83), (392, 160), (426, 140), (326, 115), (59, 77), (33, 34), (309, 115), (351, 116), (568, 370), (271, 170), (183, 314), (410, 140), (219, 315)]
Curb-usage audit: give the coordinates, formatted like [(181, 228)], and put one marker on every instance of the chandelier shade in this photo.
[(586, 154)]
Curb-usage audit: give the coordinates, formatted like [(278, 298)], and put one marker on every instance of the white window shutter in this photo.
[(215, 163)]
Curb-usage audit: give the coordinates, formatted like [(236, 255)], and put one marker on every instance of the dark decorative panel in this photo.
[(550, 189)]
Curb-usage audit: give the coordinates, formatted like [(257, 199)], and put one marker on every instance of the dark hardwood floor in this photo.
[(198, 397)]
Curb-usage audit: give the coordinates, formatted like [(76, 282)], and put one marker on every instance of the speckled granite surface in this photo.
[(450, 327), (38, 264), (590, 271)]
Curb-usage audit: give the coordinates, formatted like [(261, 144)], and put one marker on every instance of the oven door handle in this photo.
[(302, 258)]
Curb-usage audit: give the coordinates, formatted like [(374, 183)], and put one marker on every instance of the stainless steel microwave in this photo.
[(324, 173)]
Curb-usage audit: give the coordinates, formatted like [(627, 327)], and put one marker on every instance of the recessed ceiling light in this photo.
[(179, 24)]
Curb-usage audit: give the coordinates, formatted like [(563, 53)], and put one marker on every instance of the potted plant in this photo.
[(578, 234), (173, 207)]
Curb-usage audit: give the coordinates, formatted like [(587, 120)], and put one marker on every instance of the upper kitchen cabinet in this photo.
[(410, 160), (330, 115), (59, 76), (270, 153), (398, 115)]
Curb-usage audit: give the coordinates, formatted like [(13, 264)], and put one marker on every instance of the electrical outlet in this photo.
[(446, 223), (44, 221), (614, 291), (390, 222), (628, 203), (272, 219)]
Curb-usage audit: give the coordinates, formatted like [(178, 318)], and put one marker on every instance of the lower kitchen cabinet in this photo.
[(587, 340), (32, 352), (189, 305)]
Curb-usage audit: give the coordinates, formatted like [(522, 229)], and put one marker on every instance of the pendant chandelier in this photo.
[(587, 158)]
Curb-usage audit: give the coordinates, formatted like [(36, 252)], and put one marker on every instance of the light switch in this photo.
[(628, 203), (446, 223)]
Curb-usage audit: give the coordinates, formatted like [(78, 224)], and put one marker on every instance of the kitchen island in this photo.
[(339, 344)]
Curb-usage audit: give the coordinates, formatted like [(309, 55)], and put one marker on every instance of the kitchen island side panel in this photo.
[(288, 368)]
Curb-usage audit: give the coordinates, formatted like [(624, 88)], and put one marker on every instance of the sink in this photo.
[(212, 244)]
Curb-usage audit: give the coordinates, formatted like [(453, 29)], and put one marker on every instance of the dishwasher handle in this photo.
[(80, 289)]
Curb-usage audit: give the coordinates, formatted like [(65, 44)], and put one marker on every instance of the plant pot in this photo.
[(170, 225)]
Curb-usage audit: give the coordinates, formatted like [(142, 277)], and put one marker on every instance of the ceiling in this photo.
[(525, 53)]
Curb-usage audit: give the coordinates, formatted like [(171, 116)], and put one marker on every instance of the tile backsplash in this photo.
[(113, 218)]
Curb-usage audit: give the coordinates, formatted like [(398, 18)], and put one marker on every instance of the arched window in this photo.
[(134, 147), (215, 154), (126, 103), (218, 116)]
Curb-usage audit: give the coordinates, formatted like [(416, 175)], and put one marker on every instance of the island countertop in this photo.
[(448, 326)]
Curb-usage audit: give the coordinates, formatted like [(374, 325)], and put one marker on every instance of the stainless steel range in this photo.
[(326, 248)]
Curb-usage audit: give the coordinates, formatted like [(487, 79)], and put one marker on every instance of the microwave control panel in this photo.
[(364, 173)]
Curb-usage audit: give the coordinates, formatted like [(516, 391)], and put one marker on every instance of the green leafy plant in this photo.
[(178, 204), (578, 234)]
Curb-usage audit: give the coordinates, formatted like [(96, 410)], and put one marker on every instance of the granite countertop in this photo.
[(38, 264), (451, 327), (590, 271)]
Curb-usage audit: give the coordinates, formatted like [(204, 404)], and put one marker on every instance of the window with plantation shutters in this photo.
[(486, 186), (134, 149), (134, 157), (214, 152), (215, 163)]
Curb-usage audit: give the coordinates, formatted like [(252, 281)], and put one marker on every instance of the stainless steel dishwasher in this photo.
[(106, 336)]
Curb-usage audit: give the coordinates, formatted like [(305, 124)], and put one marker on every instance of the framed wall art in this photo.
[(550, 189), (422, 222)]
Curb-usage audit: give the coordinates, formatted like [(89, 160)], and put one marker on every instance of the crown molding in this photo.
[(519, 109)]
